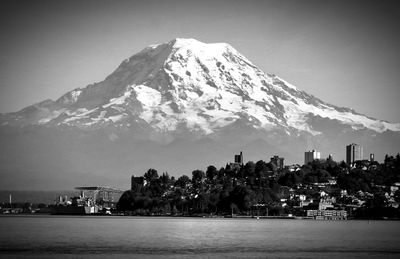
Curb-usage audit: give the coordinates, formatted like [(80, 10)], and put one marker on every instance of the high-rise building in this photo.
[(310, 156), (239, 158), (277, 161), (238, 162), (354, 152)]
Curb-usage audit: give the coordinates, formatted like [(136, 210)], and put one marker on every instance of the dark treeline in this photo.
[(245, 189)]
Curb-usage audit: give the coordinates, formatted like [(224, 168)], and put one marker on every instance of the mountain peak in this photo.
[(191, 42), (184, 41), (204, 87), (194, 44)]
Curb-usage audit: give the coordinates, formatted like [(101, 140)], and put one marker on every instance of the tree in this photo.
[(287, 179), (126, 201), (213, 201), (197, 178), (151, 175), (243, 197), (343, 165), (261, 170), (291, 179), (248, 170), (318, 176), (234, 208), (211, 173), (397, 161), (387, 159), (182, 181), (166, 180), (397, 196), (377, 201), (355, 181)]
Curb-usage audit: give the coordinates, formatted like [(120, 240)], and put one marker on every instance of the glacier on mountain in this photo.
[(205, 87)]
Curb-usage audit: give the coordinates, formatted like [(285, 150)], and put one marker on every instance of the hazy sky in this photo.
[(344, 52)]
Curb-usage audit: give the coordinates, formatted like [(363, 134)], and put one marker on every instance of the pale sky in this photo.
[(343, 52)]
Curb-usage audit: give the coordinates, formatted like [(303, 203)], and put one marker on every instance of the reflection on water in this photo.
[(86, 236)]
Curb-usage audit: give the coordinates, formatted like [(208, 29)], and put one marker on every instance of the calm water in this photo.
[(137, 237)]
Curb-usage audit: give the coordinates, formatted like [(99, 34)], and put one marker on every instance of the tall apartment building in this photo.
[(310, 156), (239, 158), (354, 152)]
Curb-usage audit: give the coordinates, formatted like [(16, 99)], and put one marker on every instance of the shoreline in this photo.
[(194, 216)]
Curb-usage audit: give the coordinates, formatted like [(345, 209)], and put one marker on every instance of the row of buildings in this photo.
[(354, 152)]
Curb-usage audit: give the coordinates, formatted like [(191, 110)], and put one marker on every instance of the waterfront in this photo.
[(42, 236)]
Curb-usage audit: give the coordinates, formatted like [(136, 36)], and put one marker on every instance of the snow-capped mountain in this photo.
[(203, 87), (171, 104)]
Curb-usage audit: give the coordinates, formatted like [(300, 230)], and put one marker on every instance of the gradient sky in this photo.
[(344, 52)]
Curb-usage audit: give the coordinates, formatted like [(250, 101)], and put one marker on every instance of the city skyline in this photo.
[(337, 51)]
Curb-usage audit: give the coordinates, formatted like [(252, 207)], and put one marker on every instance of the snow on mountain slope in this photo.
[(204, 87)]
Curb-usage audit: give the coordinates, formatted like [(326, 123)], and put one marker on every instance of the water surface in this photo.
[(156, 237)]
